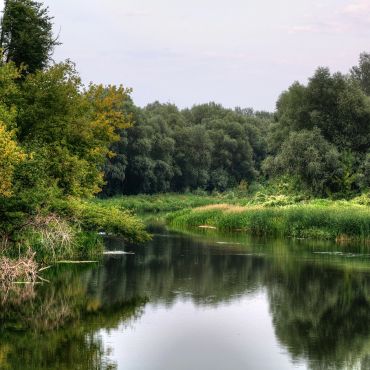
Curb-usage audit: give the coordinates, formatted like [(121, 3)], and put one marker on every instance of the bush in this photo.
[(95, 216)]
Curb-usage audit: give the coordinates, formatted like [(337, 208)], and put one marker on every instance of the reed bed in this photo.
[(299, 221)]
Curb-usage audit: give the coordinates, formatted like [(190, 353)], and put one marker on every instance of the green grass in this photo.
[(162, 203), (333, 221), (261, 213)]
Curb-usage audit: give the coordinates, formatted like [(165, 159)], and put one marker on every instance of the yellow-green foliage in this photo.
[(10, 156), (363, 199), (69, 128)]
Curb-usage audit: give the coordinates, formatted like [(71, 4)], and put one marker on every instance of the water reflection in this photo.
[(319, 304)]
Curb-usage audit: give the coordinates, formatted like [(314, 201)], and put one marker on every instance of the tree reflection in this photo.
[(322, 316), (320, 310), (59, 326)]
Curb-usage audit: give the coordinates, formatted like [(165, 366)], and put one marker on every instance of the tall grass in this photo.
[(335, 222), (261, 213), (160, 203)]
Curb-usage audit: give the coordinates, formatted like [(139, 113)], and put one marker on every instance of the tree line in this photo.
[(317, 140), (206, 147)]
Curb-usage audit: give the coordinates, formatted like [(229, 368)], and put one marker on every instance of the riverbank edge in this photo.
[(261, 214), (339, 224), (71, 229)]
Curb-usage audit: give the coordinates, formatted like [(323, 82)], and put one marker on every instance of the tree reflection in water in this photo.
[(58, 327), (320, 308)]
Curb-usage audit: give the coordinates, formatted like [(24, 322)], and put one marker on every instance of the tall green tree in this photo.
[(26, 35), (193, 158), (309, 160), (331, 102), (361, 73)]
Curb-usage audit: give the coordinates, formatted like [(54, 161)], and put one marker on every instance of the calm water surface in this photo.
[(197, 302)]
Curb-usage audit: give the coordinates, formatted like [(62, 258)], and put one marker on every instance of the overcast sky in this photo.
[(235, 52)]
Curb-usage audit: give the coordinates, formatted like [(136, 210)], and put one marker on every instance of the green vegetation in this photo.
[(335, 222), (55, 136), (262, 213), (160, 203), (63, 143), (94, 216)]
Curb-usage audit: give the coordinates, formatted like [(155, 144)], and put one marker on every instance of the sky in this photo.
[(237, 52)]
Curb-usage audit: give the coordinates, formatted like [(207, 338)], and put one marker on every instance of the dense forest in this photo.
[(318, 140)]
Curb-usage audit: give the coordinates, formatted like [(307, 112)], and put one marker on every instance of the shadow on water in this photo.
[(319, 299)]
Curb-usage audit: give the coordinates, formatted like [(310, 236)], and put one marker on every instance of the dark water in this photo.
[(196, 302)]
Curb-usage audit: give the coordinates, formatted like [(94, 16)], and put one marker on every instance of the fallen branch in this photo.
[(75, 262)]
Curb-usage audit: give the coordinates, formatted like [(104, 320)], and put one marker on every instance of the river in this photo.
[(197, 301)]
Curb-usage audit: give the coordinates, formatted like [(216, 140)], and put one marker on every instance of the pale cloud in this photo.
[(136, 14), (323, 27), (358, 8), (306, 28), (352, 17)]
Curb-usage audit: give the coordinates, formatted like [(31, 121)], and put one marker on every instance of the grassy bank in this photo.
[(171, 202), (67, 230), (161, 203), (258, 214), (71, 229), (335, 221)]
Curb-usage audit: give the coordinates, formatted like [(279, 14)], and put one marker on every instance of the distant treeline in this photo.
[(318, 141), (206, 147)]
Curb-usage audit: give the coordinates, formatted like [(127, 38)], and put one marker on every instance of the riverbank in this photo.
[(70, 229), (273, 215), (333, 222)]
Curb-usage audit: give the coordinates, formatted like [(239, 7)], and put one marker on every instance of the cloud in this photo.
[(136, 14), (325, 26), (299, 29), (351, 18), (359, 8)]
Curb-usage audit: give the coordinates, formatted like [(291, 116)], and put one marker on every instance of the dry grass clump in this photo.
[(51, 236), (23, 269), (53, 228), (12, 272), (211, 207), (227, 208), (215, 207)]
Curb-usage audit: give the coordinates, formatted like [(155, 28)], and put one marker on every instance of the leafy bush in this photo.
[(97, 216)]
